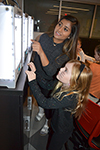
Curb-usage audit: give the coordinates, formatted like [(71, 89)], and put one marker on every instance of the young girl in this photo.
[(95, 83), (68, 98)]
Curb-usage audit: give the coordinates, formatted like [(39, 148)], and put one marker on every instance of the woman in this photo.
[(51, 52), (68, 98)]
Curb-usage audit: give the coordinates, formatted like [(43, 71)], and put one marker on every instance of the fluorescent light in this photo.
[(52, 12), (55, 13), (72, 8), (63, 10)]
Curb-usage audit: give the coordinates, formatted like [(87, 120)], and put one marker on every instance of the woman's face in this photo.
[(62, 31), (64, 75)]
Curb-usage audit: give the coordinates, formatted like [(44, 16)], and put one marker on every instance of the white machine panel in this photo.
[(30, 31), (10, 45), (25, 37)]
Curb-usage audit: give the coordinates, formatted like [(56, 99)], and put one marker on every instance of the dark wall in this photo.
[(88, 45)]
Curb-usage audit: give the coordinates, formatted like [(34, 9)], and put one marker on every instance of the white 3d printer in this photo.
[(10, 45)]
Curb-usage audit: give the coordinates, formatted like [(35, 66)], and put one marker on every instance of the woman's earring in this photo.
[(68, 37)]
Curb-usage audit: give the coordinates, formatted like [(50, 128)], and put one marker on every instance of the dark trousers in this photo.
[(57, 140)]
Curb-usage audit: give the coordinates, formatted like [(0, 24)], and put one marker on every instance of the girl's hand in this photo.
[(79, 50), (31, 74), (32, 66), (37, 47)]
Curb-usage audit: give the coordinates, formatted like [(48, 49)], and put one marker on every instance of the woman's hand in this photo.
[(31, 74), (37, 47)]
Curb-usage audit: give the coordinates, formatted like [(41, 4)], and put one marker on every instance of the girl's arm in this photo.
[(85, 57), (89, 58), (81, 53), (50, 103), (47, 103)]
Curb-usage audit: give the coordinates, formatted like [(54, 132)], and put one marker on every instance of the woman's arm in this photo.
[(37, 48), (53, 67)]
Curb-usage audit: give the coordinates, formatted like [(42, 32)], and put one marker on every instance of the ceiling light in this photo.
[(72, 8), (64, 10)]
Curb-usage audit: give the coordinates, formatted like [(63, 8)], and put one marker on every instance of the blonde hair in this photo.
[(79, 84)]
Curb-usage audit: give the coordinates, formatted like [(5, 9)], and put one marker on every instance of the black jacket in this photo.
[(46, 75), (61, 121)]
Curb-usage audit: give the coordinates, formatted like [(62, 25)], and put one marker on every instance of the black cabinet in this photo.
[(11, 113)]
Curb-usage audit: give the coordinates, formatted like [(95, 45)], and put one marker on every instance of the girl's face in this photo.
[(62, 31), (64, 74), (97, 57)]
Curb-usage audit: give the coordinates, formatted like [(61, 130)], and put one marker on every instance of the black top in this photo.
[(46, 75), (62, 121)]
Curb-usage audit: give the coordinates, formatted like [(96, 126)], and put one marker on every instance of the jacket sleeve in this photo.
[(49, 103), (53, 67)]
